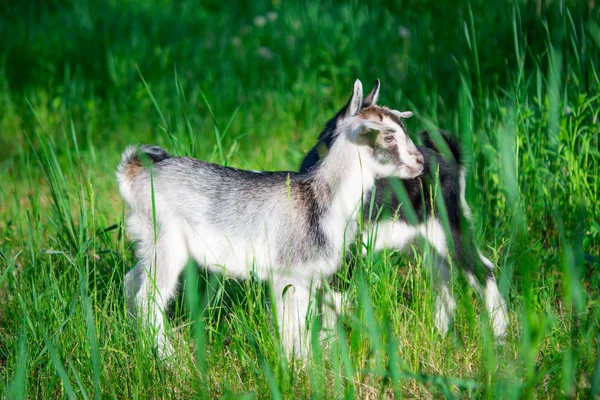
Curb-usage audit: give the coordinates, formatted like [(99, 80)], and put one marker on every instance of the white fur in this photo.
[(187, 227), (462, 184), (390, 234), (497, 309), (486, 261), (433, 231), (445, 306), (472, 280), (332, 308)]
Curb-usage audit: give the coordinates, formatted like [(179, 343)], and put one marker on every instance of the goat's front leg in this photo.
[(445, 304), (293, 298), (333, 302), (483, 281)]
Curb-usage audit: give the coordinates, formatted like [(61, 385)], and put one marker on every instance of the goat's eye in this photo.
[(389, 139)]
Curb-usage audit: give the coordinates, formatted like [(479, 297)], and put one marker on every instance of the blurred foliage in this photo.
[(518, 80), (246, 48)]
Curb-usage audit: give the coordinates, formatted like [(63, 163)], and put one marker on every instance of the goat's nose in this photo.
[(419, 159)]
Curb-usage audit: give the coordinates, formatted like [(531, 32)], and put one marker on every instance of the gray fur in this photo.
[(286, 227)]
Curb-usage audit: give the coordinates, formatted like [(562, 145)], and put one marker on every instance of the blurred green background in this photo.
[(296, 60), (250, 84)]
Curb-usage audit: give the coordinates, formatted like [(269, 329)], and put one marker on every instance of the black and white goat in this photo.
[(390, 226), (289, 228)]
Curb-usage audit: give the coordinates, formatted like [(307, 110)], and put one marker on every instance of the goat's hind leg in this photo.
[(152, 283), (445, 303), (494, 302), (480, 275)]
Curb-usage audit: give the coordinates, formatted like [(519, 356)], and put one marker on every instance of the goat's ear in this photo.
[(355, 102), (402, 114), (373, 96)]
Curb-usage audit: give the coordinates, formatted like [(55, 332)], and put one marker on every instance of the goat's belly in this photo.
[(232, 256)]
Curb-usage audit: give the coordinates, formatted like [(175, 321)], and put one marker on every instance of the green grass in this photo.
[(519, 82)]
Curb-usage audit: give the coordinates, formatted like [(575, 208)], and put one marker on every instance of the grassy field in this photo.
[(250, 84)]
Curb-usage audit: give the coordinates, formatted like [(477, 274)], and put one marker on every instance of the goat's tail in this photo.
[(132, 164), (452, 142)]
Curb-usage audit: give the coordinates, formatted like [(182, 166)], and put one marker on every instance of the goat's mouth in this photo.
[(417, 167), (418, 171), (412, 171)]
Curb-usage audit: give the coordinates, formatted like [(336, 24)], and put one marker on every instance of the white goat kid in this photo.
[(289, 228)]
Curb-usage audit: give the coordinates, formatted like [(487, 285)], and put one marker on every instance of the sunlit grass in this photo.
[(526, 108)]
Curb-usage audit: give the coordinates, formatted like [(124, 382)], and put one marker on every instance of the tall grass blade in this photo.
[(59, 367), (17, 388)]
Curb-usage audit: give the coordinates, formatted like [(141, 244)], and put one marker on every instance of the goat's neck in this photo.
[(345, 176)]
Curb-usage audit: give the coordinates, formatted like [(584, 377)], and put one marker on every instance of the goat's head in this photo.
[(380, 132)]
